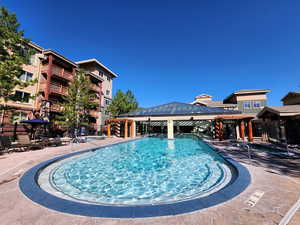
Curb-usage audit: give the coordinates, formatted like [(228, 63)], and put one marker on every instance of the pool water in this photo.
[(145, 171)]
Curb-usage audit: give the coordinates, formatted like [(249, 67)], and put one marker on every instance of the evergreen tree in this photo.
[(14, 53), (77, 103), (122, 103)]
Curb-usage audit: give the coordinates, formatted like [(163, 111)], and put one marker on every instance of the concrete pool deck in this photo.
[(275, 188)]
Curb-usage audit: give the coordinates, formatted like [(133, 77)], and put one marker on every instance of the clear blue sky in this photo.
[(174, 50)]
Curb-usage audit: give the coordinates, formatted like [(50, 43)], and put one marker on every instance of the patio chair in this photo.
[(7, 145), (51, 142), (25, 140)]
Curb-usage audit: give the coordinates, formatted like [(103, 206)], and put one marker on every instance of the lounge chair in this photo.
[(25, 141), (6, 144), (52, 141)]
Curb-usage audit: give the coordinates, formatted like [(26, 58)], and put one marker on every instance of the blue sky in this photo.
[(174, 50)]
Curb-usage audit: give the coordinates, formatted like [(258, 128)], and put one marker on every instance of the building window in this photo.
[(108, 78), (19, 116), (257, 104), (247, 105), (26, 76), (100, 73), (107, 92), (22, 96), (107, 102)]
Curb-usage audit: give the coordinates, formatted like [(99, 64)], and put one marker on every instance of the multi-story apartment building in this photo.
[(25, 105), (249, 101), (106, 76), (246, 101), (54, 73)]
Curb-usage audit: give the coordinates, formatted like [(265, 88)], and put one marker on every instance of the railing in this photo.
[(58, 89), (58, 71), (95, 87)]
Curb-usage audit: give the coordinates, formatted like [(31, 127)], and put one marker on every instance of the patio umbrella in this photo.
[(35, 121)]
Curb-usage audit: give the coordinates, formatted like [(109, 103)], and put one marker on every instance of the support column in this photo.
[(221, 137), (250, 131), (49, 74), (133, 129), (170, 129), (108, 129), (237, 130), (242, 129), (126, 129), (282, 131)]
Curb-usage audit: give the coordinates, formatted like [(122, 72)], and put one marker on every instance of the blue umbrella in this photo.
[(35, 121)]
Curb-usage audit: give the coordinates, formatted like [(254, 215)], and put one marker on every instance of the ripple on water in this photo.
[(146, 171)]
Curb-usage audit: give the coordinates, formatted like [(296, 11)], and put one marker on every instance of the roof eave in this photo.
[(50, 51), (99, 63)]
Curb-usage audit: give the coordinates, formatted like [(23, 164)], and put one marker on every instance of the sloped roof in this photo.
[(285, 110), (290, 94), (178, 108), (203, 96), (98, 63), (247, 91)]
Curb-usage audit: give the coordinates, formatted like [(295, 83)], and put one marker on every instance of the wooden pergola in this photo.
[(242, 120), (128, 123)]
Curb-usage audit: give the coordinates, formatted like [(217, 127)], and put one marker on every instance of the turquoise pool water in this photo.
[(145, 171)]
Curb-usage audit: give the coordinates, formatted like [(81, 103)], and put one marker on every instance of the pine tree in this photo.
[(122, 103), (14, 53), (77, 103)]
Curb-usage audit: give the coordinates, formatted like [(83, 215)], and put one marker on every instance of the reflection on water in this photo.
[(171, 144)]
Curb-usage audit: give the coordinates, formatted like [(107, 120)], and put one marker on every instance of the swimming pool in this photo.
[(145, 177), (147, 171)]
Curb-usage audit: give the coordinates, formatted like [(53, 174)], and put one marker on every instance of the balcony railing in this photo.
[(54, 88), (58, 89), (95, 87), (58, 71)]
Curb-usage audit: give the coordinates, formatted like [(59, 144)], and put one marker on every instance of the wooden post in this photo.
[(49, 74), (250, 131), (108, 129), (221, 137), (126, 129), (132, 129), (242, 128)]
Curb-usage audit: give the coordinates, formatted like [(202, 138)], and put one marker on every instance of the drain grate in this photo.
[(254, 198)]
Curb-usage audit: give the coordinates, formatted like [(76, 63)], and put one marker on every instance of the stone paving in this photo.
[(277, 178)]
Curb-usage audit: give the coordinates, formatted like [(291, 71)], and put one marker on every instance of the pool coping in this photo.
[(30, 188)]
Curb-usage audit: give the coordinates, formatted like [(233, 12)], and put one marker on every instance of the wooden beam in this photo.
[(250, 131), (242, 129), (108, 130), (49, 75), (126, 129), (221, 136), (132, 129)]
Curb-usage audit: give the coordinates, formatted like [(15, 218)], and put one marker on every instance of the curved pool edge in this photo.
[(29, 187)]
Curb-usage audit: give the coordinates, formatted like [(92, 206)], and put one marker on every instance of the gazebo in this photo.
[(176, 117)]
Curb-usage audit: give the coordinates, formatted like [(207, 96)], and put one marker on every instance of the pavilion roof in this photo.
[(178, 108)]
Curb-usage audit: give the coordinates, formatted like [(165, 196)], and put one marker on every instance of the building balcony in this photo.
[(54, 88), (95, 88), (59, 72)]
